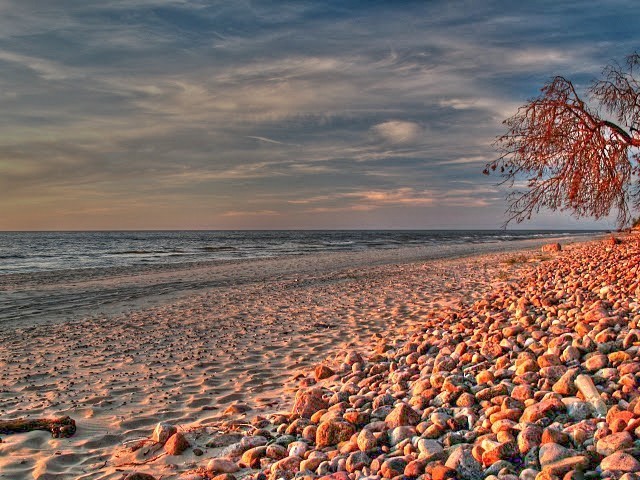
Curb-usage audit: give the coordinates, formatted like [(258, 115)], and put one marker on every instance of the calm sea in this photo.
[(26, 252)]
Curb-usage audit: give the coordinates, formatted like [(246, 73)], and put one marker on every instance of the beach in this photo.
[(213, 346)]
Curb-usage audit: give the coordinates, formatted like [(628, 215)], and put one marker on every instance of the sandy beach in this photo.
[(207, 346)]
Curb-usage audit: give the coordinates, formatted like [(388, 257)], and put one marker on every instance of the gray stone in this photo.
[(467, 467)]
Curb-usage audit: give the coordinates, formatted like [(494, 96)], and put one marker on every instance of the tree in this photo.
[(569, 155)]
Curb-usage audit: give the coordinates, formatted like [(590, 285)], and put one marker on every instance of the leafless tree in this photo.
[(571, 156)]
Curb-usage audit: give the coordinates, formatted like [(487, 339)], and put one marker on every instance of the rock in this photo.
[(614, 442), (333, 432), (578, 411), (357, 461), (176, 444), (414, 469), (430, 449), (529, 437), (552, 247), (223, 476), (398, 434), (565, 384), (352, 357), (276, 451), (322, 371), (366, 440), (467, 468), (402, 415), (251, 458), (441, 472), (162, 432), (620, 462), (552, 452), (392, 467), (285, 468), (565, 465), (224, 440), (253, 441), (222, 465), (535, 412), (502, 451), (310, 464), (139, 476), (596, 362), (308, 402), (297, 449)]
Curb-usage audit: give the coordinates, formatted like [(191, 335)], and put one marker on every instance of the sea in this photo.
[(33, 252)]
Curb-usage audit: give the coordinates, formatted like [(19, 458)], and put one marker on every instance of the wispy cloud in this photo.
[(350, 110)]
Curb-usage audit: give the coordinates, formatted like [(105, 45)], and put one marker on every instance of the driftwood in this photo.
[(59, 427)]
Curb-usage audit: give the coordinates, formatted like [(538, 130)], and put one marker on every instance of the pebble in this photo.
[(162, 432), (222, 465), (536, 379)]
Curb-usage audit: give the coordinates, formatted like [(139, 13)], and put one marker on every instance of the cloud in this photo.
[(399, 132), (250, 213), (306, 105)]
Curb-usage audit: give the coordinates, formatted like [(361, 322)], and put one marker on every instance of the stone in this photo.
[(224, 440), (357, 461), (441, 472), (311, 464), (398, 434), (552, 247), (414, 469), (552, 452), (276, 451), (565, 465), (251, 458), (162, 432), (222, 465), (529, 437), (139, 476), (308, 402), (352, 357), (392, 467), (176, 444), (578, 411), (565, 384), (502, 451), (620, 462), (253, 441), (366, 440), (297, 449), (286, 467), (333, 432), (402, 415), (614, 442), (237, 408), (430, 449), (535, 412), (322, 371), (596, 362), (467, 468)]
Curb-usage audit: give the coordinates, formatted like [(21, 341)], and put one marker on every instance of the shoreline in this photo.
[(187, 361), (68, 295)]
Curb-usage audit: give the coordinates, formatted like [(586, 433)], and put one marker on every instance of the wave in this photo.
[(218, 248)]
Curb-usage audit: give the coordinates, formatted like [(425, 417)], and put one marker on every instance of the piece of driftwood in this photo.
[(59, 427)]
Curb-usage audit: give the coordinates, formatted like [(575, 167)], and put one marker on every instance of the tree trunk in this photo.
[(59, 427)]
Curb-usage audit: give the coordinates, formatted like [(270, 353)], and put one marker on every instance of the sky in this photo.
[(160, 114)]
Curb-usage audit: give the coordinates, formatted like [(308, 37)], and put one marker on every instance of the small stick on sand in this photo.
[(59, 427)]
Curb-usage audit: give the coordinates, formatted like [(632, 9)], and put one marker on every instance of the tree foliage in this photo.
[(571, 156)]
